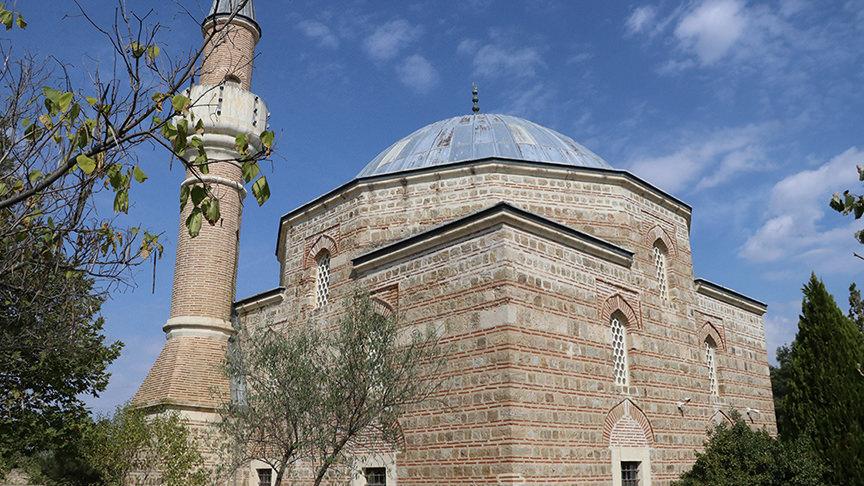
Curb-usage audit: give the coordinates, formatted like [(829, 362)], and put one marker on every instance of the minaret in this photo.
[(187, 375)]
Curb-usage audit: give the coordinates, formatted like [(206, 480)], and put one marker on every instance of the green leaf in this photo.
[(121, 202), (250, 171), (836, 203), (139, 174), (858, 208), (6, 18), (152, 52), (211, 212), (848, 200), (86, 164), (184, 197), (3, 189), (34, 176), (63, 101), (158, 98), (51, 94), (92, 101), (193, 222), (137, 49), (199, 127), (22, 24), (261, 190), (180, 103), (241, 144), (267, 138), (198, 195)]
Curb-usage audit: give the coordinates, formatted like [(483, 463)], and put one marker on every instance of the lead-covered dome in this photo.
[(480, 136)]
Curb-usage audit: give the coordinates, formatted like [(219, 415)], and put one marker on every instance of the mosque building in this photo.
[(583, 351)]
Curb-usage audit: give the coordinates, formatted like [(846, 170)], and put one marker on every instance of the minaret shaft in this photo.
[(188, 373)]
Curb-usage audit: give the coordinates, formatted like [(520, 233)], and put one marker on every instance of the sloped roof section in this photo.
[(227, 7), (187, 374), (498, 215)]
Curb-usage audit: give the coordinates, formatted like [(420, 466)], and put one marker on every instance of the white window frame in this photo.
[(631, 454)]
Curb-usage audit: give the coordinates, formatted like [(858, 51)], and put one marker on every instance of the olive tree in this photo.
[(134, 448), (319, 392)]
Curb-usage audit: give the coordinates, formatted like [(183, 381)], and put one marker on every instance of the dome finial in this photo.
[(475, 99)]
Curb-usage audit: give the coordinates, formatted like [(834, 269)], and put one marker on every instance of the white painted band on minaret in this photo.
[(211, 179)]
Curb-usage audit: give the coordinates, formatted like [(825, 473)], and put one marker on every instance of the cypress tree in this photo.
[(824, 400), (856, 307)]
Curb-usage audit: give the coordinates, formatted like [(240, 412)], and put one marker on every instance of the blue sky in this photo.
[(750, 111)]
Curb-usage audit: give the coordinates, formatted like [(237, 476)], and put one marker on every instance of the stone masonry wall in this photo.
[(530, 387)]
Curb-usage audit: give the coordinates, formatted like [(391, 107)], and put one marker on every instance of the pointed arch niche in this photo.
[(630, 437)]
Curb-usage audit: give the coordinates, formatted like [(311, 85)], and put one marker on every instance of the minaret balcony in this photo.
[(227, 111)]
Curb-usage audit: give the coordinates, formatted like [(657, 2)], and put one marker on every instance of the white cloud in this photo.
[(712, 28), (795, 228), (418, 73), (499, 61), (705, 162), (389, 39), (320, 33), (641, 19)]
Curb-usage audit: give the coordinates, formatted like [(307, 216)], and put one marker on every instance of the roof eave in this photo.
[(683, 207)]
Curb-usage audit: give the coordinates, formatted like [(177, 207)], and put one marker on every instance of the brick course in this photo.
[(529, 391)]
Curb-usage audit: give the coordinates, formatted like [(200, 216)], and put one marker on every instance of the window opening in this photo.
[(619, 351), (322, 281), (630, 473)]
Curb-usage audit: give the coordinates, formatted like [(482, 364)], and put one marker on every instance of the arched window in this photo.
[(322, 280), (711, 362), (660, 269), (619, 350)]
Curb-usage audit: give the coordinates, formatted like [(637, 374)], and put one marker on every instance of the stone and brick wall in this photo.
[(529, 396)]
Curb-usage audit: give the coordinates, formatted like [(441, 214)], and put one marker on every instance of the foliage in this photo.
[(68, 143), (780, 386), (821, 395), (856, 307), (736, 455), (52, 352), (315, 392), (851, 203), (132, 447)]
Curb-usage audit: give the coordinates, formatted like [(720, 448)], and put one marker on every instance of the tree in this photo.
[(64, 152), (736, 455), (851, 203), (780, 386), (856, 307), (133, 448), (318, 393), (823, 392), (52, 352)]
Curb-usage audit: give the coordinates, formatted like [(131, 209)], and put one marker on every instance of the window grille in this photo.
[(322, 282), (630, 474), (265, 477), (375, 476), (711, 361), (660, 272), (619, 352)]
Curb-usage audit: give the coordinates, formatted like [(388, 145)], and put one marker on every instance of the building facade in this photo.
[(582, 348)]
